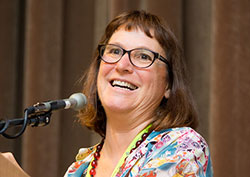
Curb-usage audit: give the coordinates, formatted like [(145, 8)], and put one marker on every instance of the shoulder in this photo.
[(176, 133), (85, 153), (83, 158), (178, 150), (184, 141), (182, 138)]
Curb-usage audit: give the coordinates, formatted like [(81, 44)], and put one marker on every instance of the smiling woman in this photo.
[(139, 102), (147, 80)]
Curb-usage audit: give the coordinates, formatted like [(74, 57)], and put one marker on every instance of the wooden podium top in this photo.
[(8, 169)]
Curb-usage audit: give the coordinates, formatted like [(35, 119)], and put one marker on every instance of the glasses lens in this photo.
[(111, 53), (142, 57)]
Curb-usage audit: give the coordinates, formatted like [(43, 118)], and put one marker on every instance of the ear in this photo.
[(167, 93)]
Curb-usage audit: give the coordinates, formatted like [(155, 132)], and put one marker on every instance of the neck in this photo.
[(120, 131), (127, 121)]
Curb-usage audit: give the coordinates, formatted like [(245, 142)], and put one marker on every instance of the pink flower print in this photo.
[(159, 145)]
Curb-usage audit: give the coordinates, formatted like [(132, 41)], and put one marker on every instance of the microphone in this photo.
[(76, 101), (39, 114)]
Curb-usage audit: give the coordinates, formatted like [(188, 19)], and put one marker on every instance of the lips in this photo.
[(123, 84)]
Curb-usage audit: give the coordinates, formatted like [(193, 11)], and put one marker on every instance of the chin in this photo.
[(118, 107)]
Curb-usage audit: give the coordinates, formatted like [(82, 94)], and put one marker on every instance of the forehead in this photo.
[(135, 38), (148, 31)]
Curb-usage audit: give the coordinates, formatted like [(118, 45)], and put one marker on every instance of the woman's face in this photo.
[(147, 86)]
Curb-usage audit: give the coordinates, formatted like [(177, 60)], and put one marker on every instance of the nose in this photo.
[(124, 64)]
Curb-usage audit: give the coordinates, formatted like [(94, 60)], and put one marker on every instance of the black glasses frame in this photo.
[(156, 55)]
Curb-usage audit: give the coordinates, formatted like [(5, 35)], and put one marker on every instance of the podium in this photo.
[(8, 169)]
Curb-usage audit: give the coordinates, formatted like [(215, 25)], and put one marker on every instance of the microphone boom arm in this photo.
[(33, 120)]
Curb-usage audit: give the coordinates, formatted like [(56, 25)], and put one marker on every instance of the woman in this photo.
[(139, 102)]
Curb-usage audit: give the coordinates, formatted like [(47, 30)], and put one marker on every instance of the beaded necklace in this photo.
[(92, 171)]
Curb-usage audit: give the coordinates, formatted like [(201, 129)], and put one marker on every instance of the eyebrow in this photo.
[(140, 47)]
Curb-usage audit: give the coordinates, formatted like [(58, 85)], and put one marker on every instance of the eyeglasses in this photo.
[(138, 57)]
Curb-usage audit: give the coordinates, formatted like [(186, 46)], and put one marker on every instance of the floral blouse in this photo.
[(176, 152)]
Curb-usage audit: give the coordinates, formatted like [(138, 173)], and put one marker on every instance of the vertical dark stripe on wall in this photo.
[(20, 49), (197, 49)]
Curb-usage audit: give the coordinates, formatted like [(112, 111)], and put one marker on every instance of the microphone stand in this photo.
[(34, 120)]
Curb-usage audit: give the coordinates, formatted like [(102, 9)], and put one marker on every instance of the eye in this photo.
[(143, 55), (115, 51), (112, 50)]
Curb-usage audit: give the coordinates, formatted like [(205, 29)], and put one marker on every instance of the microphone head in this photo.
[(79, 100)]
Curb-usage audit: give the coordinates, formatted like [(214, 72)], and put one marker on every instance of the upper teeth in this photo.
[(124, 84)]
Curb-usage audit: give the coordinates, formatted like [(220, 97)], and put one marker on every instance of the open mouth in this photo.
[(123, 84)]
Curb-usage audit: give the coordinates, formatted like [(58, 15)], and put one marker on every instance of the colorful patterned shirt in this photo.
[(172, 152)]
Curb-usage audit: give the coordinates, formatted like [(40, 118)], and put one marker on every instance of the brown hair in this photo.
[(176, 111)]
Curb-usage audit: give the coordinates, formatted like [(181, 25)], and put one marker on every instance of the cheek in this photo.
[(154, 89), (162, 80), (104, 71), (159, 79), (100, 79), (159, 82)]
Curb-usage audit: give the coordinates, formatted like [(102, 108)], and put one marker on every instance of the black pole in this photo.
[(34, 120)]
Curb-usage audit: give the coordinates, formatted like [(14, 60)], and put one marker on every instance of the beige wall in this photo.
[(46, 45)]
